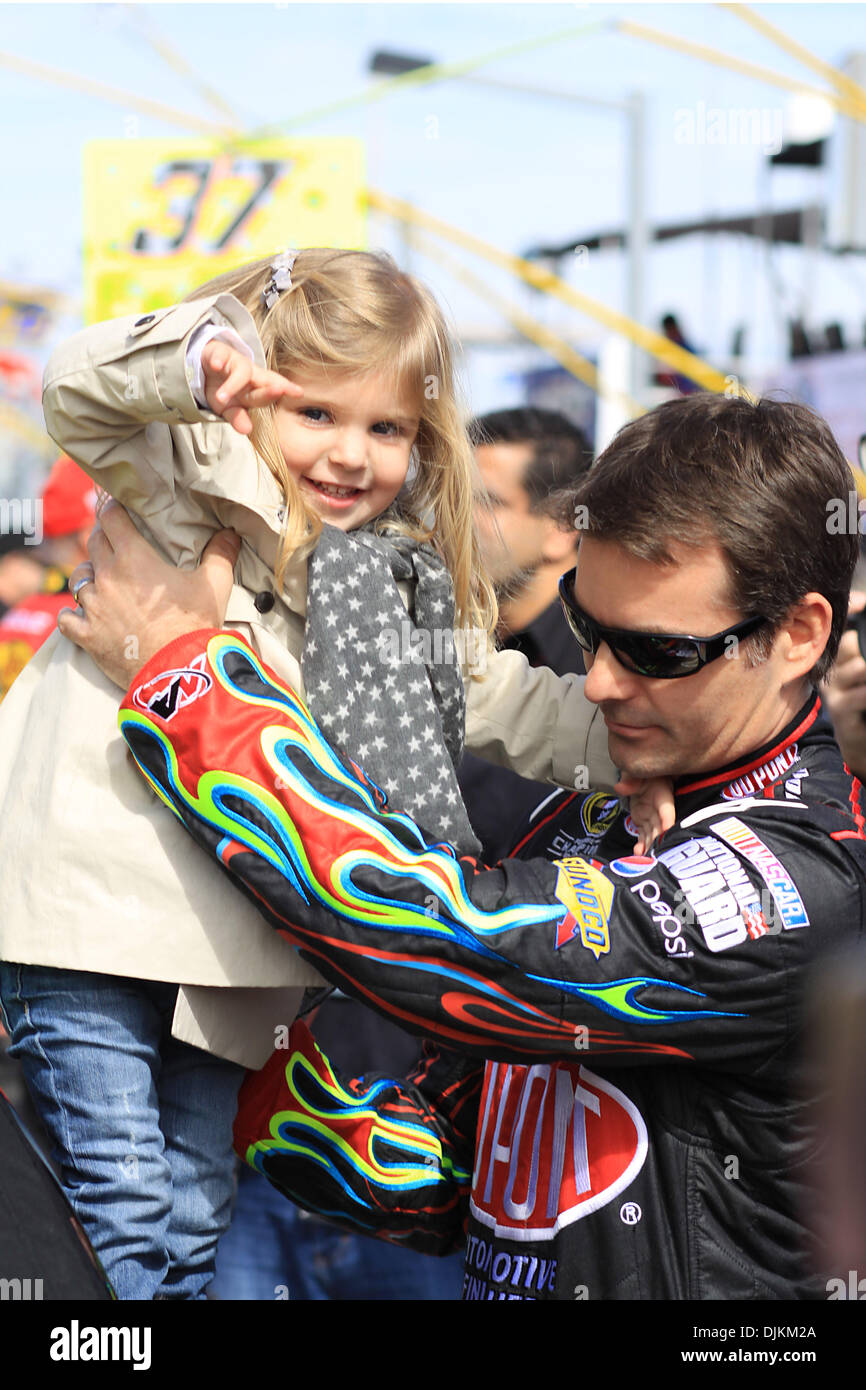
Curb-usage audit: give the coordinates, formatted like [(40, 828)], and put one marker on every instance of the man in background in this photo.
[(526, 457)]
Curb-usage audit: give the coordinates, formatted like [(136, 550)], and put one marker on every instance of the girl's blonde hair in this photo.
[(355, 312)]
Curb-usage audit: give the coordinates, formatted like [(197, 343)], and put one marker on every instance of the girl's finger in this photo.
[(216, 357), (261, 379), (262, 395), (235, 383), (238, 418), (294, 388)]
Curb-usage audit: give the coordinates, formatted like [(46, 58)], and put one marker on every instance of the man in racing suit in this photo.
[(618, 1105)]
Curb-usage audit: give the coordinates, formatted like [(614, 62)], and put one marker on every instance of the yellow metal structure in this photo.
[(686, 363)]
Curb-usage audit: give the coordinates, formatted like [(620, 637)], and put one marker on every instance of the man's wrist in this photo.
[(174, 658)]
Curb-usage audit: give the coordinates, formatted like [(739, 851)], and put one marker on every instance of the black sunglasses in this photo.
[(660, 655)]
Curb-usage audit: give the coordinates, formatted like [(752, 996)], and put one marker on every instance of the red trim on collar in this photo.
[(535, 829), (856, 806), (732, 774)]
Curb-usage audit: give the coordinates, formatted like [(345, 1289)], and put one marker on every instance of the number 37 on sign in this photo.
[(164, 216)]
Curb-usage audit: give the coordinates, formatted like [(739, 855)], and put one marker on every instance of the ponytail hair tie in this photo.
[(281, 278)]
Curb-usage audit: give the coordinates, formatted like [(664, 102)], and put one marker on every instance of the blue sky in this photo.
[(513, 169)]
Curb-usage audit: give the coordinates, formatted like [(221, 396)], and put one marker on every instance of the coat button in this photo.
[(264, 601), (148, 318)]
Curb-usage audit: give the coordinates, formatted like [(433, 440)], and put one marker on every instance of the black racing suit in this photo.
[(618, 1059)]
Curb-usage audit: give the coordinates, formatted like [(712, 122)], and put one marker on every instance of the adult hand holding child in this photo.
[(131, 602)]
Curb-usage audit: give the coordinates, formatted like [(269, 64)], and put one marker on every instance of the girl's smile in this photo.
[(348, 442)]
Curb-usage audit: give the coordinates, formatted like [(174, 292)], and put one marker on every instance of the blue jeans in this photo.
[(274, 1250), (140, 1123)]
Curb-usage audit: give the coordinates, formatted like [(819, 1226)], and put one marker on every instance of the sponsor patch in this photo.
[(752, 783), (598, 811), (780, 883), (172, 691), (793, 786), (567, 846), (587, 896), (714, 884), (669, 923), (633, 865), (556, 1142)]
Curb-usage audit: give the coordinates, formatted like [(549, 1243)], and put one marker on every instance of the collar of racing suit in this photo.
[(776, 748)]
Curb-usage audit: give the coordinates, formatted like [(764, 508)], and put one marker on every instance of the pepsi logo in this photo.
[(633, 865)]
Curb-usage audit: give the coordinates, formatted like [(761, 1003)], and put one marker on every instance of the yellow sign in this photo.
[(163, 216), (587, 897)]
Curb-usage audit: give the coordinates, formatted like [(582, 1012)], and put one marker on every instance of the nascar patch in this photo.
[(782, 888), (598, 811), (587, 896), (717, 891)]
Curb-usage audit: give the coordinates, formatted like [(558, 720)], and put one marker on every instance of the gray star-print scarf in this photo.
[(386, 684)]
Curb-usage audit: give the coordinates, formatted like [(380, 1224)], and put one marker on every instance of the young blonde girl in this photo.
[(121, 945)]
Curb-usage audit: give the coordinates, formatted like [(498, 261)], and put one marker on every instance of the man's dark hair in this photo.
[(762, 478), (561, 451)]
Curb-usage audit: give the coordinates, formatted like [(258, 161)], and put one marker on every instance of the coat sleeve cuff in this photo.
[(170, 366), (175, 656)]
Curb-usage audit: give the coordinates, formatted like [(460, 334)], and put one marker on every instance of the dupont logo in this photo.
[(556, 1143)]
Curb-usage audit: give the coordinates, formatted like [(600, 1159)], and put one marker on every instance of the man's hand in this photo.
[(844, 695), (234, 385), (134, 603)]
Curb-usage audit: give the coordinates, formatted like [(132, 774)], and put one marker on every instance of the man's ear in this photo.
[(807, 628), (560, 544)]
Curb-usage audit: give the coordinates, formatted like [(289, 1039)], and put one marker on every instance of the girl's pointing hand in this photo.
[(234, 385)]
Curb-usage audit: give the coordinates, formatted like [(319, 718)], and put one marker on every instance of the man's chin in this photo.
[(640, 762)]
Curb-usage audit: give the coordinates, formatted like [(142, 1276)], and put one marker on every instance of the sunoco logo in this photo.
[(588, 896), (556, 1143)]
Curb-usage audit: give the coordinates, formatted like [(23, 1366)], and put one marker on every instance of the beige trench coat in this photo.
[(95, 873)]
